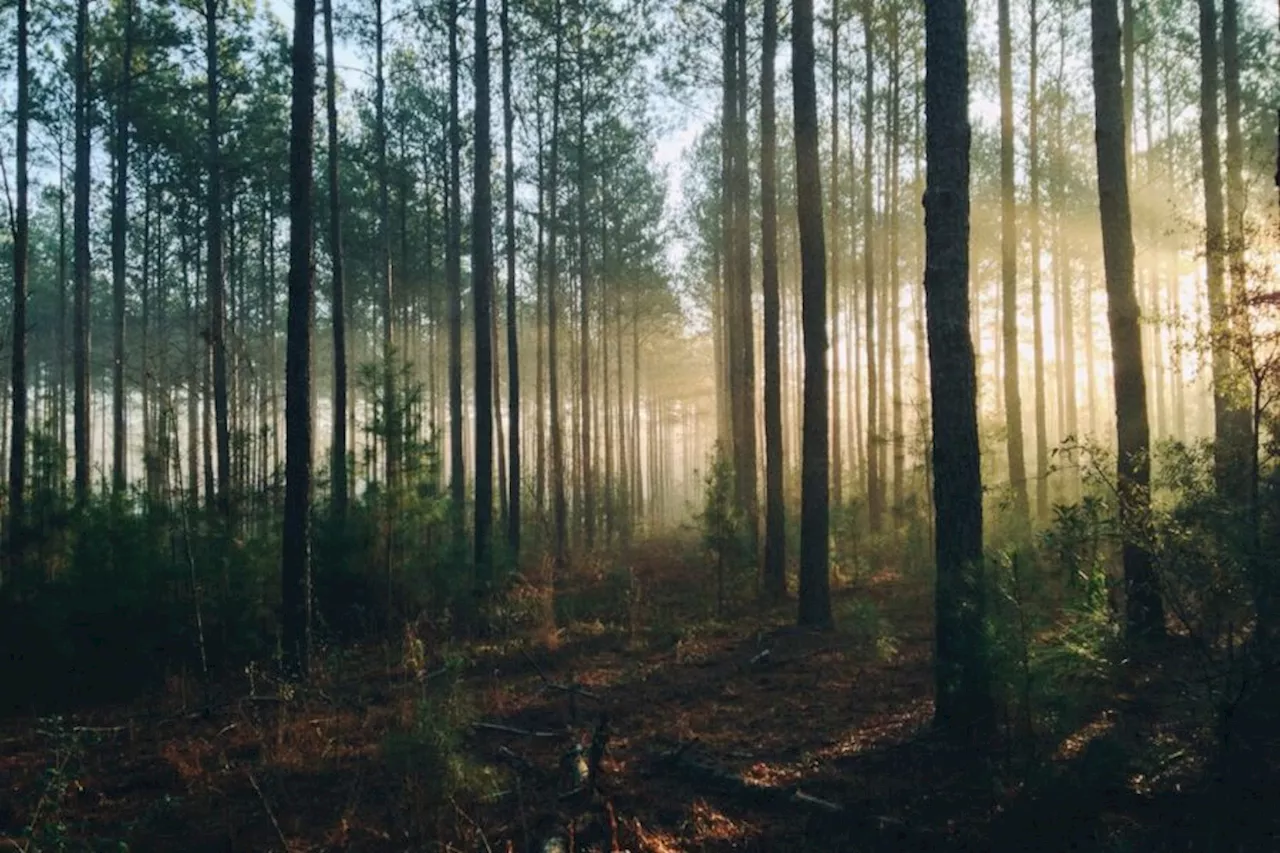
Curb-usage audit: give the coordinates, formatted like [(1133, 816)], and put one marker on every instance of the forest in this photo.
[(640, 425)]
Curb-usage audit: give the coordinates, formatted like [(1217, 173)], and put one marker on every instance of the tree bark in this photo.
[(1144, 616), (296, 540), (482, 301), (774, 581), (21, 238), (1037, 319), (338, 451), (119, 237), (559, 510), (216, 281), (1009, 277), (837, 461), (453, 272), (875, 489), (513, 351), (1228, 462), (815, 595), (80, 225), (963, 704)]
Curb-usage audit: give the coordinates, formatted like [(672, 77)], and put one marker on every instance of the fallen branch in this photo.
[(572, 688), (99, 730), (512, 730), (707, 772), (270, 814)]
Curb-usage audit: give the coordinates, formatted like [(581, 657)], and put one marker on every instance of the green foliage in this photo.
[(1052, 646), (390, 558), (430, 756), (861, 621), (725, 533)]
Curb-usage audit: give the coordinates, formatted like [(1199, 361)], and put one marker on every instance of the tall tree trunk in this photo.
[(815, 513), (80, 217), (295, 571), (1037, 319), (895, 266), (391, 405), (1228, 463), (21, 236), (1238, 317), (540, 414), (1009, 277), (585, 447), (338, 310), (963, 681), (453, 272), (1144, 616), (513, 351), (559, 511), (119, 236), (216, 282), (482, 300), (875, 489), (775, 546), (746, 475), (837, 461)]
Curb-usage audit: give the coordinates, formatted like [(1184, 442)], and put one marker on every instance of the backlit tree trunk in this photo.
[(963, 703), (1144, 617)]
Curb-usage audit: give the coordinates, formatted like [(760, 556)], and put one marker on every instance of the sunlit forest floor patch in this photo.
[(737, 733)]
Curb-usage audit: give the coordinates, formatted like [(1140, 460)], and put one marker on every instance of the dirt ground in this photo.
[(746, 734)]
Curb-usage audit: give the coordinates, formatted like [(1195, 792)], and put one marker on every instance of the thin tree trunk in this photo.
[(338, 449), (1009, 277), (80, 216), (837, 461), (453, 271), (513, 351), (875, 493), (774, 581), (21, 237), (216, 281), (1037, 318), (482, 301), (119, 235), (559, 511)]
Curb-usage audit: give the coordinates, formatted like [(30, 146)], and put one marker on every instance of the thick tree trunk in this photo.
[(1144, 616), (815, 594), (963, 704), (295, 572)]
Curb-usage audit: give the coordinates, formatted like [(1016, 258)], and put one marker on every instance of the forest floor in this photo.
[(737, 734)]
